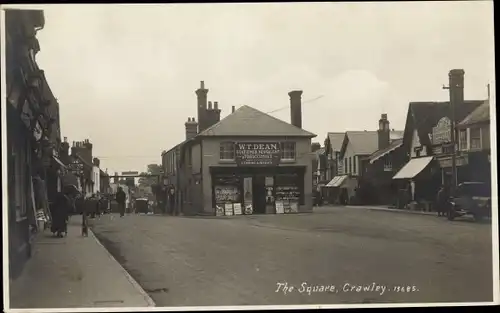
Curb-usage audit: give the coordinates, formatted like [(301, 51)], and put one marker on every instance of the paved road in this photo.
[(182, 261)]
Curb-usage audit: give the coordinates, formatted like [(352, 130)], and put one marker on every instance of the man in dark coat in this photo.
[(60, 214), (442, 200), (121, 197)]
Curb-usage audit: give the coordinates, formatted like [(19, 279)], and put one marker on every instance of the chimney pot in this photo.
[(384, 116), (210, 105), (233, 109), (296, 108), (216, 105), (202, 85)]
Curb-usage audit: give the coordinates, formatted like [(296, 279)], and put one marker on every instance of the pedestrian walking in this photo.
[(442, 200), (121, 197), (171, 200), (60, 213)]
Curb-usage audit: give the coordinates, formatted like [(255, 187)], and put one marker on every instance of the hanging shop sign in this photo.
[(257, 153), (441, 133), (76, 167)]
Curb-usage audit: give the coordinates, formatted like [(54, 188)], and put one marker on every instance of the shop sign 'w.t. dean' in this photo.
[(257, 153)]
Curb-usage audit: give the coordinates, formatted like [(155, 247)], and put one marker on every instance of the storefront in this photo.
[(257, 184), (248, 190)]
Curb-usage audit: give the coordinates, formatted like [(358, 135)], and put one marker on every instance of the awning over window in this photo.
[(337, 181), (61, 164), (413, 168)]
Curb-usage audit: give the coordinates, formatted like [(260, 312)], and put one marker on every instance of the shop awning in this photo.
[(61, 164), (413, 168), (337, 181)]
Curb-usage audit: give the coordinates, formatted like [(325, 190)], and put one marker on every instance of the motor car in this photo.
[(470, 198)]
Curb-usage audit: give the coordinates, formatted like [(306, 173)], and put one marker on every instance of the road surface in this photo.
[(333, 256)]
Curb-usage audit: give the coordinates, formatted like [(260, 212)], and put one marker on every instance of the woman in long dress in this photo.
[(60, 215)]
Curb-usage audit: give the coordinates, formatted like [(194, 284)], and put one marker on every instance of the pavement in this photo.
[(74, 272), (336, 255)]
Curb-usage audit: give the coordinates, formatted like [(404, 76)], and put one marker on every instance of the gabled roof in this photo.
[(423, 116), (336, 140), (365, 142), (380, 153), (247, 121), (479, 115)]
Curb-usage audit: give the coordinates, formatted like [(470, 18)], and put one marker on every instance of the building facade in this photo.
[(474, 144), (247, 163), (33, 135), (357, 147), (427, 140)]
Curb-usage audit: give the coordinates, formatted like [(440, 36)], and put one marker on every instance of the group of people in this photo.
[(68, 203)]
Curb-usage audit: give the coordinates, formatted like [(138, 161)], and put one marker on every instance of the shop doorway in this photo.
[(259, 194)]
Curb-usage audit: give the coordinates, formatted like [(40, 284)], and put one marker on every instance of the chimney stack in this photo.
[(191, 128), (233, 109), (202, 93), (384, 132), (456, 86), (210, 105), (296, 108)]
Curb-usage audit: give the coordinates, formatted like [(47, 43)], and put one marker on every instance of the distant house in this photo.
[(474, 144), (382, 164), (357, 147)]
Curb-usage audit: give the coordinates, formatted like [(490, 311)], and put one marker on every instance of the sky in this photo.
[(125, 75)]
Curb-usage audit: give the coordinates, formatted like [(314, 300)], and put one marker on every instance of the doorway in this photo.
[(259, 194)]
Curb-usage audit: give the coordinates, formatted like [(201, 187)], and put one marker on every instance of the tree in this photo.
[(154, 170)]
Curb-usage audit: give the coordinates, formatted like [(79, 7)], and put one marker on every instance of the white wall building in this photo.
[(96, 179)]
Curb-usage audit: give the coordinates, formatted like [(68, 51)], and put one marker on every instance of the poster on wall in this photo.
[(248, 209), (219, 210), (237, 209), (228, 209), (247, 195), (280, 209), (226, 193)]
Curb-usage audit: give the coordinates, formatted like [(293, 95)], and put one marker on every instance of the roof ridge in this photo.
[(204, 132)]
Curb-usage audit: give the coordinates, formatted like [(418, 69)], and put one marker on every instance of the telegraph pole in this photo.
[(456, 89)]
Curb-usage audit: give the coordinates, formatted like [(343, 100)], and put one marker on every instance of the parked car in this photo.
[(471, 198)]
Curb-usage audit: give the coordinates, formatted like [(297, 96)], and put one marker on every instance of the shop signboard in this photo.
[(280, 209), (441, 133), (258, 153), (447, 162), (76, 167), (228, 209), (237, 209)]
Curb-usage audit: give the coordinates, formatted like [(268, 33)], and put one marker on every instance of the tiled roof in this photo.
[(366, 142), (336, 140), (480, 114), (363, 142), (380, 153), (247, 121)]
